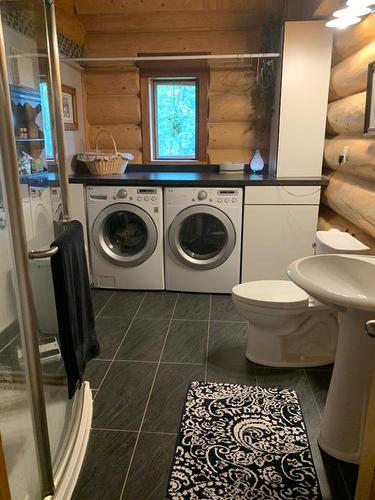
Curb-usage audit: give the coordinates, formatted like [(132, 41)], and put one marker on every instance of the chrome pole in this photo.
[(25, 303), (56, 93)]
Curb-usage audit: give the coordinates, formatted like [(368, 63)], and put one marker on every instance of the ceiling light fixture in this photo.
[(357, 11), (360, 3), (343, 22), (351, 14)]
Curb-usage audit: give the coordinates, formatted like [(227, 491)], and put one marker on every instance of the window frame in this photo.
[(147, 87)]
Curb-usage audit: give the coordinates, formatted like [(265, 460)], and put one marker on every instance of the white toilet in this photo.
[(287, 327)]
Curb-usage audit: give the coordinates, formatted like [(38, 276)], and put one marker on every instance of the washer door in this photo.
[(124, 234), (202, 237)]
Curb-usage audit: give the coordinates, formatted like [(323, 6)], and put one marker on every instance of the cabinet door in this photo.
[(274, 236)]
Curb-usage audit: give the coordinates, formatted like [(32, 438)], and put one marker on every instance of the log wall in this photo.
[(113, 91), (348, 202)]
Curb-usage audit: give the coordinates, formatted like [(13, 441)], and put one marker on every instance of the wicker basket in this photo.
[(104, 163)]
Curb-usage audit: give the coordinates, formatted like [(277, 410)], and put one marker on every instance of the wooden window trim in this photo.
[(147, 74)]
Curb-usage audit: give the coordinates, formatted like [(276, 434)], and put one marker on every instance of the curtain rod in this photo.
[(172, 58)]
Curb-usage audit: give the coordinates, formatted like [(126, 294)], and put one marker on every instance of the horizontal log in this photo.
[(353, 199), (360, 158), (232, 80), (172, 21), (127, 137), (350, 76), (348, 42), (346, 116), (235, 136), (120, 7), (228, 107), (132, 44), (328, 219), (217, 156), (115, 110), (70, 26), (111, 81)]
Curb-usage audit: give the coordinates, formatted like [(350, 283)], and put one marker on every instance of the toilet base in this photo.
[(311, 341), (290, 364)]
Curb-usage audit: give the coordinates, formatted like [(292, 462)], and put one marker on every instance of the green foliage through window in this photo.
[(175, 111)]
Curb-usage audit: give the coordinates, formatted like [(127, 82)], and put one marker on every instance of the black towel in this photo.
[(75, 314)]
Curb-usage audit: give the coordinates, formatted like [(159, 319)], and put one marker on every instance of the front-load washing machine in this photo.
[(203, 229), (125, 227)]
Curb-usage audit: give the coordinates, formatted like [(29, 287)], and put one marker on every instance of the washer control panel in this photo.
[(130, 194)]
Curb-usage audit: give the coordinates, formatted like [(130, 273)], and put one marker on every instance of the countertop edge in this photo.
[(204, 180)]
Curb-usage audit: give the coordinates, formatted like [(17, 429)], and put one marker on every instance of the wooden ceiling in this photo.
[(122, 16)]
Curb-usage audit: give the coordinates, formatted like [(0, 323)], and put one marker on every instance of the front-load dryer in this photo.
[(126, 237), (203, 228)]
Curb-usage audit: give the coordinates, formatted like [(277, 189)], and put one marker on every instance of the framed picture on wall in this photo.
[(370, 101), (69, 102)]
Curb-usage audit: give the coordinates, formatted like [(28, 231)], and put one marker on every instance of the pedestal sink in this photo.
[(347, 284)]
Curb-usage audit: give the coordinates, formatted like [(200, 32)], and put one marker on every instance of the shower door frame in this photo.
[(60, 485)]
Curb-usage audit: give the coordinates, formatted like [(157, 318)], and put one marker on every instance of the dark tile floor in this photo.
[(152, 346)]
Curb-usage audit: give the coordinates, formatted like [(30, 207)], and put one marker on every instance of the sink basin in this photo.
[(346, 283), (340, 280)]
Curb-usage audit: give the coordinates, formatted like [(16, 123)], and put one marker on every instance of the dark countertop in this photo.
[(201, 177)]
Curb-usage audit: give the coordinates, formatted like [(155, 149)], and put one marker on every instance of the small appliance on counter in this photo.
[(232, 167)]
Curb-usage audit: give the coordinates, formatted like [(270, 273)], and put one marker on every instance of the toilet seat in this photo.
[(272, 294)]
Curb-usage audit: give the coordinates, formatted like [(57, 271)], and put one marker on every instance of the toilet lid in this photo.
[(279, 294)]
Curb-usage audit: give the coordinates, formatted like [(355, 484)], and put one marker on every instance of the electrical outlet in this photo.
[(343, 157)]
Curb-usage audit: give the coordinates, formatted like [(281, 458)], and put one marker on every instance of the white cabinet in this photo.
[(306, 67), (279, 227)]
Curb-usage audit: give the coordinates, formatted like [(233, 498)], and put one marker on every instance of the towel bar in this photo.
[(43, 254)]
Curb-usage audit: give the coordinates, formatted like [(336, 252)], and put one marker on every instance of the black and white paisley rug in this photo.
[(239, 442)]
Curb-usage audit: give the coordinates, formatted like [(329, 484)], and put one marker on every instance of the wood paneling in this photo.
[(350, 76), (116, 110), (217, 156), (346, 116), (69, 25), (122, 7), (112, 82), (230, 107), (173, 21), (132, 44), (127, 137), (231, 80), (118, 28), (233, 135)]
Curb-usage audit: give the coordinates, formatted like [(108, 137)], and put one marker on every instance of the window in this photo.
[(174, 117)]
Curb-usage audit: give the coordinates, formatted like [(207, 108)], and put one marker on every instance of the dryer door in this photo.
[(202, 237), (124, 234)]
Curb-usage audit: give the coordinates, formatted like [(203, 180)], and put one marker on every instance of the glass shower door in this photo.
[(16, 426), (28, 75)]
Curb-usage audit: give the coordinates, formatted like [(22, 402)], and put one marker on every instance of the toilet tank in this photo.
[(335, 241)]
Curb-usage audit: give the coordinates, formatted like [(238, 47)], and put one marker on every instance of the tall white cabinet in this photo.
[(297, 143), (279, 227)]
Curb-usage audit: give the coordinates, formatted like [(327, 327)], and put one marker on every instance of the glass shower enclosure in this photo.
[(43, 433)]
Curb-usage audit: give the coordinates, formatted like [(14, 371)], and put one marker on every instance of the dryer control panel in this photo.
[(204, 196)]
